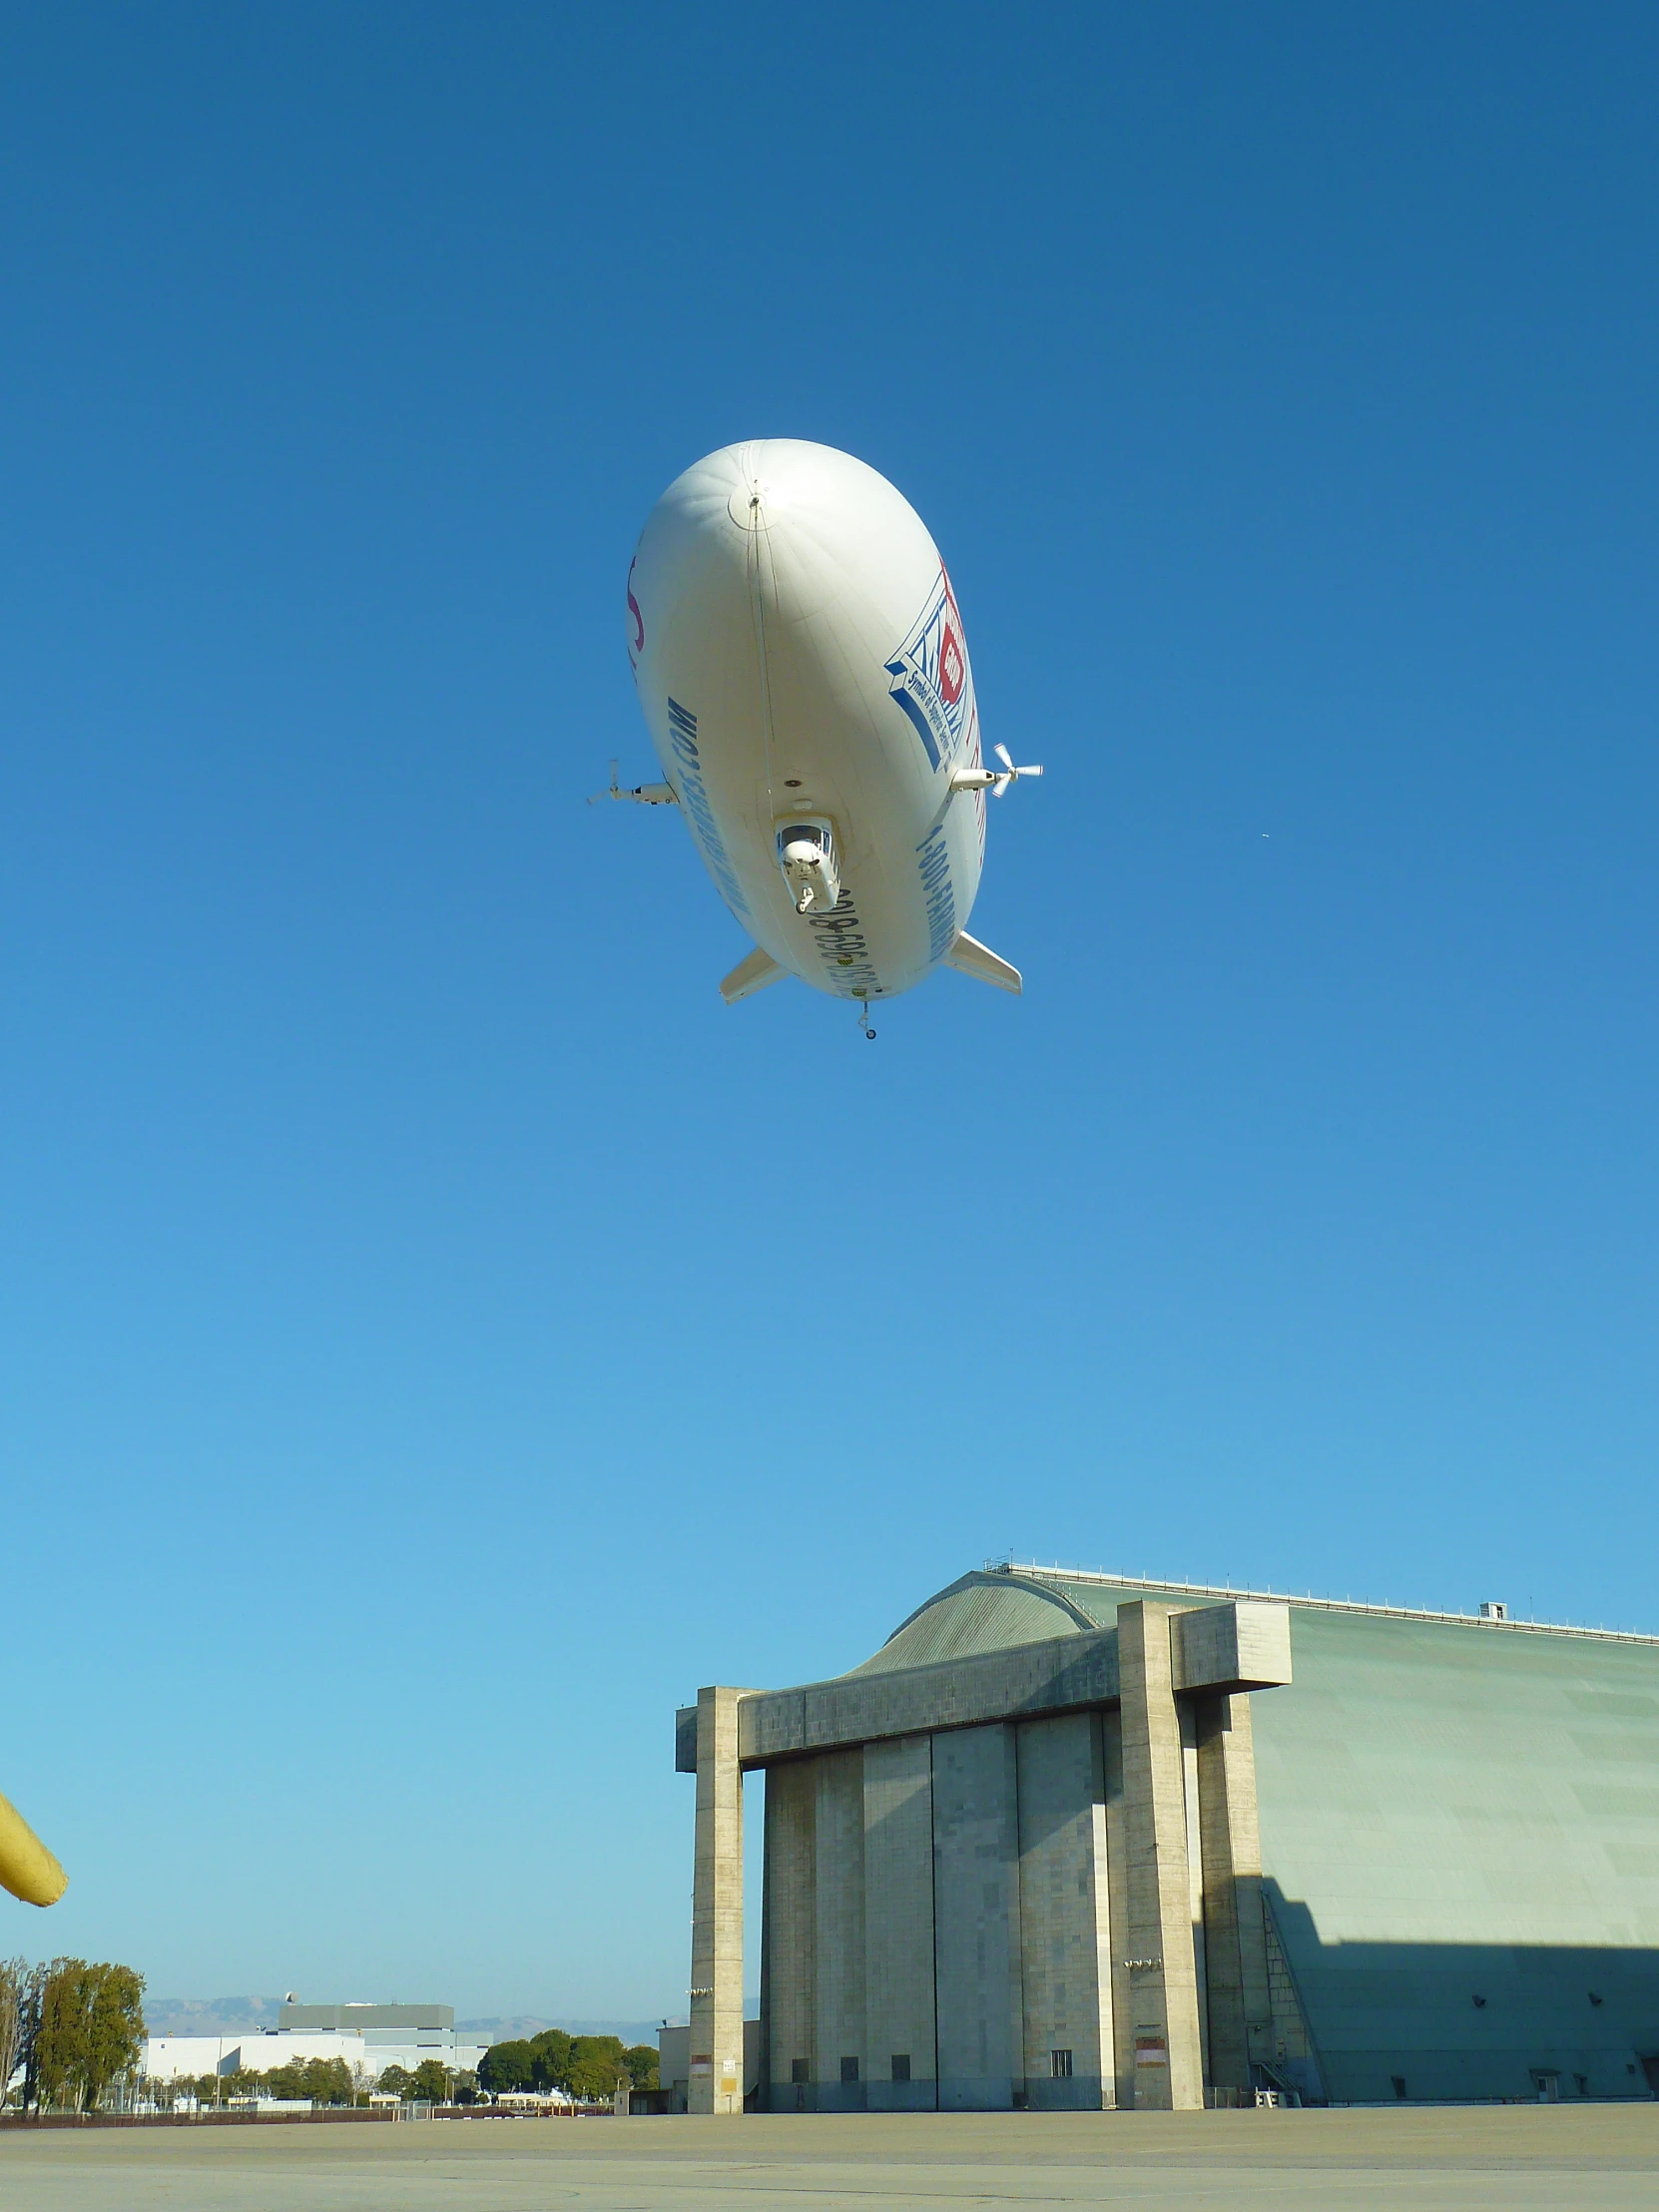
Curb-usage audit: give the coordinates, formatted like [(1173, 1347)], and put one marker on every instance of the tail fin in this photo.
[(970, 957), (750, 976)]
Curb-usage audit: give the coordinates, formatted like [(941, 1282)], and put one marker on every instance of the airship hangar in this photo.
[(1070, 1841)]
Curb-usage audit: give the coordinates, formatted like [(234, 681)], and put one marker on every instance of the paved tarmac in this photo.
[(1520, 2158)]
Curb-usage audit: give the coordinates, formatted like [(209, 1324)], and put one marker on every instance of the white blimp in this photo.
[(799, 660)]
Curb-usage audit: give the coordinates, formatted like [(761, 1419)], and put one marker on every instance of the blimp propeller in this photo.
[(1013, 773), (992, 778), (643, 794)]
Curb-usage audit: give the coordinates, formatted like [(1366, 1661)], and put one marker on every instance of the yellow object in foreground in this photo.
[(27, 1868)]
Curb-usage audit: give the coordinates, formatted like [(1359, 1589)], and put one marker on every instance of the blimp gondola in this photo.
[(800, 659)]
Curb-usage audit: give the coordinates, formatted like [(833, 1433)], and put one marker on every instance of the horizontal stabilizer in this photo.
[(753, 975), (970, 957)]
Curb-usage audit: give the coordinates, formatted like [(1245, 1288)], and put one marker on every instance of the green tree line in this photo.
[(321, 2081), (318, 2080), (583, 2066), (75, 2028), (431, 2082)]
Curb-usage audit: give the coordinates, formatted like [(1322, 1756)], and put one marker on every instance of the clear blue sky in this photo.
[(437, 1334)]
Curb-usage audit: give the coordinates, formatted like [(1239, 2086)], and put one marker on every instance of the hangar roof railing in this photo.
[(1146, 1586), (1007, 1603)]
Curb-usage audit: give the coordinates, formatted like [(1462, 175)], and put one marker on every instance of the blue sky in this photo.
[(436, 1334)]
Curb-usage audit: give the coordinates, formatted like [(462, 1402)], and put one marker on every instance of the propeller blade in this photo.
[(1003, 754)]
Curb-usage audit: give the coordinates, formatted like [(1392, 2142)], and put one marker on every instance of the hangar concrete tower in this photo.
[(1070, 1841)]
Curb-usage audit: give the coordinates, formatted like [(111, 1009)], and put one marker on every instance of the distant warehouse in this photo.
[(1070, 1841), (369, 2037)]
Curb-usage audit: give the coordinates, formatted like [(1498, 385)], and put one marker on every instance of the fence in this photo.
[(209, 2115)]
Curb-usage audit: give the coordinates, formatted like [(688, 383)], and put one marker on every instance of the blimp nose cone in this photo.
[(762, 482), (771, 477), (763, 479), (747, 506)]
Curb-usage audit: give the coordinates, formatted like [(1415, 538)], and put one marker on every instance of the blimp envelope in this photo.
[(27, 1869), (803, 673)]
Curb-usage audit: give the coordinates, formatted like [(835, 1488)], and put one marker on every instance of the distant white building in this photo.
[(373, 2036)]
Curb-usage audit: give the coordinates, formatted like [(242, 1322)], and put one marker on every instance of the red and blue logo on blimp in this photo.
[(931, 679)]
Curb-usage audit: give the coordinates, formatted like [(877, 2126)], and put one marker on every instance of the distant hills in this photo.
[(209, 2015), (237, 2016), (508, 2031)]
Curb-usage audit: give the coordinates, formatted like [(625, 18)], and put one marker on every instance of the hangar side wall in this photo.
[(1450, 1815)]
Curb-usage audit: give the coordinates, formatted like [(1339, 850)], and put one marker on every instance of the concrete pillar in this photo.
[(789, 1937), (715, 2083), (1195, 1872), (1241, 2024), (900, 2062), (1115, 1976), (1161, 2027), (1107, 1734)]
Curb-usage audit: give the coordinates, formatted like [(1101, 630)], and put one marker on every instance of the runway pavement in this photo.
[(1580, 2158)]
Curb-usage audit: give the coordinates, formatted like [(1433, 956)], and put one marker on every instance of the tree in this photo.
[(322, 2081), (60, 2033), (14, 1979), (431, 2081), (503, 2067), (28, 2048), (88, 2032), (596, 2066), (115, 2029), (396, 2082), (328, 2081), (641, 2062), (551, 2051)]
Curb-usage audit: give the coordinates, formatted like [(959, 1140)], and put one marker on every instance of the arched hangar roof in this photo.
[(993, 1610)]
